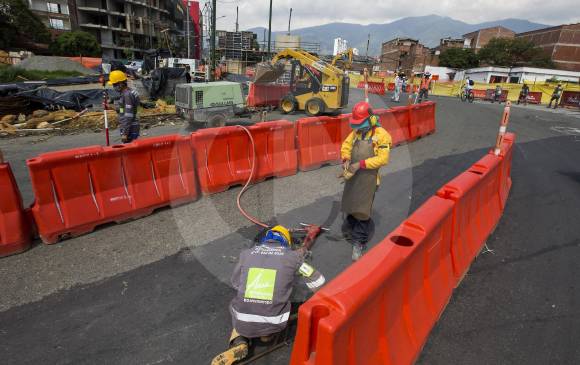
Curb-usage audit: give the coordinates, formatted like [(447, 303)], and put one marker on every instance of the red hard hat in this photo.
[(361, 111)]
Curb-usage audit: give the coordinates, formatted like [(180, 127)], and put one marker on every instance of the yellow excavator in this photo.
[(316, 86), (343, 60)]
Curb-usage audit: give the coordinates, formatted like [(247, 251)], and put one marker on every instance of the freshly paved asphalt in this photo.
[(156, 290)]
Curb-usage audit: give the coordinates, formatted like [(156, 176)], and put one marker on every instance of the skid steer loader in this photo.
[(315, 86)]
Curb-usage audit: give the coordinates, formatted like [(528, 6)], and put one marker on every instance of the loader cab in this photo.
[(304, 80)]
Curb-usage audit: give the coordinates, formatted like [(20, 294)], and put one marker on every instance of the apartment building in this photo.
[(481, 37), (560, 43), (124, 28), (55, 14), (405, 54)]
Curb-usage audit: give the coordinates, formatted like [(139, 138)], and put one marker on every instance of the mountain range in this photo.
[(427, 29)]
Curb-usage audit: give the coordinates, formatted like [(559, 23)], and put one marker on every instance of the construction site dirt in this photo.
[(156, 290)]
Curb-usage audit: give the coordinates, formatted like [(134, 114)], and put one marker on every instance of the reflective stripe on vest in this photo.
[(244, 317)]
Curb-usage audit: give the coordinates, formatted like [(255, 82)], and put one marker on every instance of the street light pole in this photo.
[(269, 28), (188, 31), (212, 39)]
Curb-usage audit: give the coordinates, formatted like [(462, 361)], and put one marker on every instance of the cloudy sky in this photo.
[(254, 13)]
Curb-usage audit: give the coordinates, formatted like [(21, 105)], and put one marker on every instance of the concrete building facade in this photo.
[(55, 14), (561, 44), (520, 74), (478, 39), (404, 54), (124, 28)]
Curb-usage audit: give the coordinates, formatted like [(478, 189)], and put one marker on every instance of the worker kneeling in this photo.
[(364, 151), (264, 279)]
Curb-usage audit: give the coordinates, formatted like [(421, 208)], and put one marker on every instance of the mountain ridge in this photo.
[(427, 29)]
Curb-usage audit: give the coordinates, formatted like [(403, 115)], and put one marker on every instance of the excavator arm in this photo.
[(270, 72), (345, 58)]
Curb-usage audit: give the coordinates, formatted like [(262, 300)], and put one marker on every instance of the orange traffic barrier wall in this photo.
[(224, 155), (319, 140), (421, 119), (15, 225), (266, 94), (79, 189), (477, 209), (374, 87), (381, 309), (506, 151), (396, 121)]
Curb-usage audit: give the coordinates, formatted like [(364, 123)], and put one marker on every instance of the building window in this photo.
[(56, 23), (53, 8)]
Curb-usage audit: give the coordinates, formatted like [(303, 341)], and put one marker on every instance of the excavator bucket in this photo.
[(266, 72)]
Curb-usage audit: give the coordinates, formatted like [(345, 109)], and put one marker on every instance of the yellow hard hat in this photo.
[(284, 232), (117, 76)]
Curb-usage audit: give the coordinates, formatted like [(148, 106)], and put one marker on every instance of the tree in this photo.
[(513, 52), (76, 43), (19, 25), (458, 58)]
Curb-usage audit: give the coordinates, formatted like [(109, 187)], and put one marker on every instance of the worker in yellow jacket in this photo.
[(364, 151)]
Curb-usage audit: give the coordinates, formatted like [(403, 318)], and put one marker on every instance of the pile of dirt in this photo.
[(53, 63)]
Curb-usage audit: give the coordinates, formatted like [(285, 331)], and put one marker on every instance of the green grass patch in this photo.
[(16, 74)]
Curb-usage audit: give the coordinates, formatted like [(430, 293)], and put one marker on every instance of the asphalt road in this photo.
[(156, 290)]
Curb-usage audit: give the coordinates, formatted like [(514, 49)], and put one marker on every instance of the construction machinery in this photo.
[(316, 86), (209, 103), (343, 60)]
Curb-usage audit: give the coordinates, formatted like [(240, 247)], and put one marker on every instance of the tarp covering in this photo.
[(74, 100), (163, 80)]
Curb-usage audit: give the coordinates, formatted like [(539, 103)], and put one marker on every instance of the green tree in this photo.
[(513, 52), (458, 58), (18, 24), (76, 43)]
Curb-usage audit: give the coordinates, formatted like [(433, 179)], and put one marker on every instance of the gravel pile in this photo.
[(52, 63)]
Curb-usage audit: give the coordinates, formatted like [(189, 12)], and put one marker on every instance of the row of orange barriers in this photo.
[(374, 87), (15, 223), (320, 138), (79, 189), (382, 308)]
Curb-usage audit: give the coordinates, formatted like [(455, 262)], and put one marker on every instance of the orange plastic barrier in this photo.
[(77, 190), (477, 210), (374, 87), (319, 140), (88, 62), (266, 94), (391, 86), (381, 309), (224, 155), (396, 122), (15, 225), (506, 153), (421, 119)]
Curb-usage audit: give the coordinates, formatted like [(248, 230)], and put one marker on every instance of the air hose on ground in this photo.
[(244, 213)]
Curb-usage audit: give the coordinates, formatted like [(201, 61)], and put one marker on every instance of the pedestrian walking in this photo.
[(556, 96), (126, 106), (424, 88)]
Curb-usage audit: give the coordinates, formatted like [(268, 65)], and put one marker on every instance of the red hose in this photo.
[(244, 213)]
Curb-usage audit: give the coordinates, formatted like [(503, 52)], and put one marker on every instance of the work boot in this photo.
[(237, 352), (358, 250)]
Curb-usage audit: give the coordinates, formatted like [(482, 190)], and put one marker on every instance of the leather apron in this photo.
[(359, 190)]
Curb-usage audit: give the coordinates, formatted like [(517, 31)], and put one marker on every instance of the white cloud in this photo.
[(254, 13)]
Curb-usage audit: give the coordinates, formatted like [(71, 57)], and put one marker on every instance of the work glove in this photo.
[(313, 231), (124, 138), (354, 167)]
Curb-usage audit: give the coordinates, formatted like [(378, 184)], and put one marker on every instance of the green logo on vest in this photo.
[(260, 284)]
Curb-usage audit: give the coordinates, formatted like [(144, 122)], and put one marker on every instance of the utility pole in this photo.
[(269, 28), (368, 42), (188, 29), (264, 39), (237, 25), (200, 35), (212, 39), (289, 20)]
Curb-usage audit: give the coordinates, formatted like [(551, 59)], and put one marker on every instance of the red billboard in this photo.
[(195, 30), (571, 99)]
